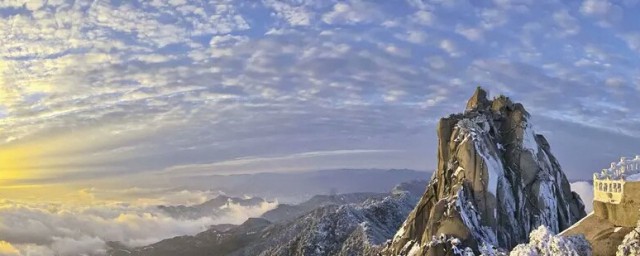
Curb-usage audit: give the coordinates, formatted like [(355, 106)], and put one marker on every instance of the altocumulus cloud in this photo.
[(318, 75), (214, 81)]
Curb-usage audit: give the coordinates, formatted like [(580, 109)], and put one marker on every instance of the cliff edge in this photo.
[(496, 181)]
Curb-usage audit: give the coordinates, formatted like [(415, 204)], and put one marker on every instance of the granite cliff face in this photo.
[(496, 182)]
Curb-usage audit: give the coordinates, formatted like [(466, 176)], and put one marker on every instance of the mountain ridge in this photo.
[(496, 182), (343, 224)]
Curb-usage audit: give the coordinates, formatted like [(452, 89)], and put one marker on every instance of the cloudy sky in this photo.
[(113, 91)]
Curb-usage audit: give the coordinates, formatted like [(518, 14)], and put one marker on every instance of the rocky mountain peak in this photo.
[(478, 100), (496, 181)]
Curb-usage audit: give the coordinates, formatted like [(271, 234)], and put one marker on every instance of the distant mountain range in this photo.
[(211, 208), (296, 187), (341, 224)]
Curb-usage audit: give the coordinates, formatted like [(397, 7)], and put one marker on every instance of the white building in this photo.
[(622, 169)]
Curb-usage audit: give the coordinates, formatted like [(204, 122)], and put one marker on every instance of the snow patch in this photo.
[(415, 249), (631, 243), (542, 242), (626, 169), (529, 140), (477, 130), (634, 177), (471, 219)]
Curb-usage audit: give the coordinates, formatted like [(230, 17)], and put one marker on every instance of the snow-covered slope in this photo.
[(286, 212), (543, 242), (349, 224), (496, 182), (631, 243), (339, 230)]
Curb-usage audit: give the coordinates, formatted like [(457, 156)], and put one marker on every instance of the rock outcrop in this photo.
[(631, 243), (603, 236), (496, 181)]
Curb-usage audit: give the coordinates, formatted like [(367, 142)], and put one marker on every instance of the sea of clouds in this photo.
[(44, 229), (35, 229)]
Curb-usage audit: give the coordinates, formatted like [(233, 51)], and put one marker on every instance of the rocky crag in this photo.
[(496, 182)]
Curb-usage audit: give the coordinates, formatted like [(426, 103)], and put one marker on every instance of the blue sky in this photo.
[(142, 90)]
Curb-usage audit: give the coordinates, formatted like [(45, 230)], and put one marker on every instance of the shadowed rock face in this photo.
[(496, 181)]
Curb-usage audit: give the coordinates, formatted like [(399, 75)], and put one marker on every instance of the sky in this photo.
[(116, 93)]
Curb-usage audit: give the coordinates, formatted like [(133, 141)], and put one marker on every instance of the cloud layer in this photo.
[(105, 89), (585, 190), (59, 229)]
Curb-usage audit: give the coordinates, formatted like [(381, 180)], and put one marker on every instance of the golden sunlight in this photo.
[(14, 164)]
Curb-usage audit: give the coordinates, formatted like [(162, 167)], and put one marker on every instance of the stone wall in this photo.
[(625, 213)]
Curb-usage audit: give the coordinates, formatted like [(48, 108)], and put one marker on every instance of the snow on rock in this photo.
[(471, 218), (529, 140), (634, 177), (626, 168), (542, 242), (496, 181), (630, 244), (342, 230)]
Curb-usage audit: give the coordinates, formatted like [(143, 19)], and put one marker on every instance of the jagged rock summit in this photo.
[(496, 182)]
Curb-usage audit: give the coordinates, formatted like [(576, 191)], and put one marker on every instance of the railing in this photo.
[(626, 166), (608, 190)]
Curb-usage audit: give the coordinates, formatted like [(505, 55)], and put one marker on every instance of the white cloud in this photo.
[(352, 12), (606, 12), (394, 95), (413, 36), (585, 190), (566, 22), (595, 7), (449, 47), (436, 62), (472, 34), (294, 15), (48, 229), (250, 163), (221, 45), (632, 40), (396, 51), (614, 82), (423, 17), (493, 18)]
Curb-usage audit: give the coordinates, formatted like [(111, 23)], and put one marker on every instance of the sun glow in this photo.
[(15, 164)]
